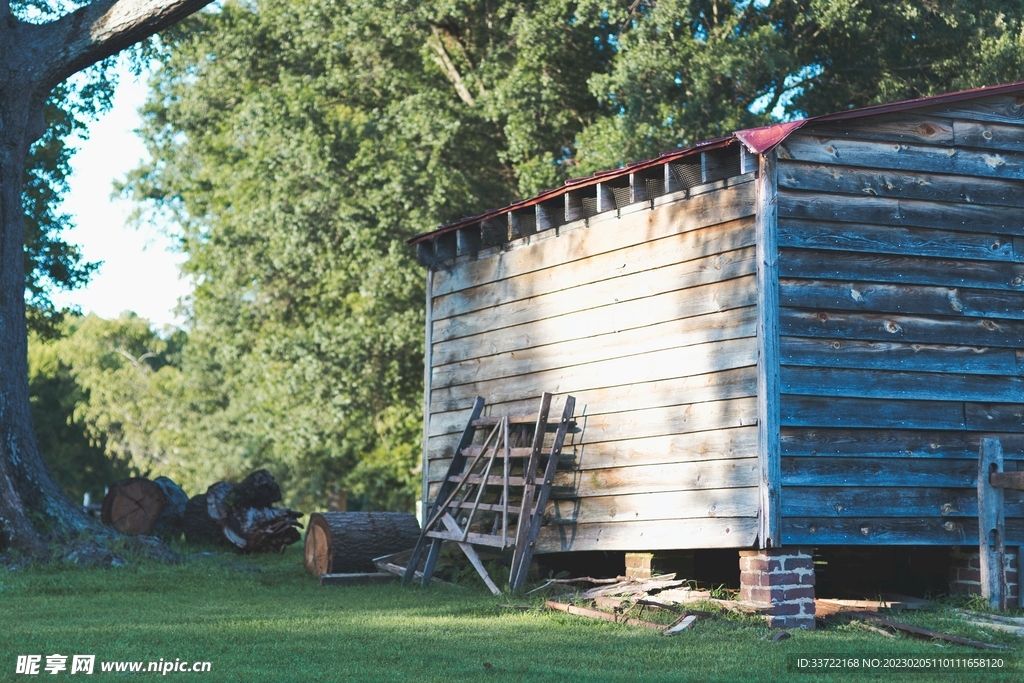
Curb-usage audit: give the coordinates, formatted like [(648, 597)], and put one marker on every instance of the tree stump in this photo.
[(347, 542), (143, 507)]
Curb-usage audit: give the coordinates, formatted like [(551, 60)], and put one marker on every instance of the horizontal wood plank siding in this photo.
[(649, 321), (902, 291)]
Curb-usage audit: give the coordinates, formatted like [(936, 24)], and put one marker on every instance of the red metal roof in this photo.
[(757, 140)]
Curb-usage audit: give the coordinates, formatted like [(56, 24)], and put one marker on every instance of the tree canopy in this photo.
[(297, 145)]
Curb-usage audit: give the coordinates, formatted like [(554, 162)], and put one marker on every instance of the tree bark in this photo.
[(33, 59), (347, 542)]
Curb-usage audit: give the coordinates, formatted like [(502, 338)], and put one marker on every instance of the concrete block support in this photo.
[(783, 577)]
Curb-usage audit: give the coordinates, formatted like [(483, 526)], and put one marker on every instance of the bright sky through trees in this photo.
[(139, 271)]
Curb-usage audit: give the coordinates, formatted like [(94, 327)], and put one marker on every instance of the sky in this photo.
[(140, 270)]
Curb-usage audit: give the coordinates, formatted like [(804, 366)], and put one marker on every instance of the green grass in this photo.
[(279, 625)]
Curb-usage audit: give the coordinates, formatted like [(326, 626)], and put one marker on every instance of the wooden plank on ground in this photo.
[(814, 411), (890, 443), (358, 579), (675, 534), (890, 239), (928, 633), (701, 253), (701, 211), (901, 298), (895, 384), (812, 264), (845, 353), (901, 328)]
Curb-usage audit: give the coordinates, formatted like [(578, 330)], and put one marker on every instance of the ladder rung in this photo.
[(474, 538), (473, 451), (487, 507), (493, 480), (512, 419)]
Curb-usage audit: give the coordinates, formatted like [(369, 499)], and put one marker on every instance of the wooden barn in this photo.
[(790, 338)]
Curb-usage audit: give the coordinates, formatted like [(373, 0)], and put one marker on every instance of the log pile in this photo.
[(347, 542), (242, 515), (141, 507)]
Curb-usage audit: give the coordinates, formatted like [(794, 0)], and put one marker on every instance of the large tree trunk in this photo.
[(33, 59)]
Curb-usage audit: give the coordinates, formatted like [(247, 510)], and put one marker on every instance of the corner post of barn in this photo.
[(768, 398), (991, 525)]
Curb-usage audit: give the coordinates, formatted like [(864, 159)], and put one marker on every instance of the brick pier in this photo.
[(783, 577), (965, 574)]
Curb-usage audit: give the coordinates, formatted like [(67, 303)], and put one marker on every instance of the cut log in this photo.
[(346, 542), (258, 490), (140, 506), (240, 514), (199, 527)]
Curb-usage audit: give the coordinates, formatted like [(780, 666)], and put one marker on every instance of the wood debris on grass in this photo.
[(868, 611), (683, 622), (616, 597), (926, 632), (394, 564), (357, 579), (995, 622)]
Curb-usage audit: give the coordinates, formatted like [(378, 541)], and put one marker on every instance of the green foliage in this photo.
[(299, 145), (687, 70), (100, 395)]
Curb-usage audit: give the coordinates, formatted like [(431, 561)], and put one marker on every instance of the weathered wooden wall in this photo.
[(902, 322), (647, 316)]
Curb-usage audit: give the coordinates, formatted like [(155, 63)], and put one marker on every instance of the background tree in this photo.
[(297, 146), (689, 70), (37, 54)]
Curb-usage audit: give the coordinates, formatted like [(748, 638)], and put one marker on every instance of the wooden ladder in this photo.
[(495, 491)]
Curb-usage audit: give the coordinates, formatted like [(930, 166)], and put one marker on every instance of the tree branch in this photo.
[(104, 28), (448, 67)]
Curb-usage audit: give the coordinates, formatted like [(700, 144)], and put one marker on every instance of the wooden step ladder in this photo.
[(495, 491)]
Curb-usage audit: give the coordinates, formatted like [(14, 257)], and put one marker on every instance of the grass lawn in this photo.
[(277, 624)]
